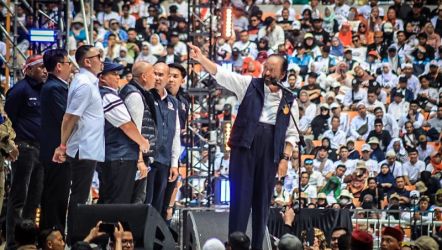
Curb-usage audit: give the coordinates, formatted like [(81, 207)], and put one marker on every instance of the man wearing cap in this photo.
[(403, 89), (139, 102), (114, 28), (434, 74), (336, 136), (54, 94), (312, 88), (246, 47), (394, 165), (362, 123), (413, 83), (325, 62), (262, 140), (179, 47), (354, 95), (321, 36), (392, 238), (82, 129), (397, 107), (23, 109), (123, 142), (376, 154), (372, 165)]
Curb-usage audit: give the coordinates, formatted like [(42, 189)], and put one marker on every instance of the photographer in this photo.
[(119, 239)]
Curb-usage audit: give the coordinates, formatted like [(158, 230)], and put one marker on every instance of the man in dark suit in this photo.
[(57, 179)]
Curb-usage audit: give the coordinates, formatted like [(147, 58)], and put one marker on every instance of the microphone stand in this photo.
[(301, 141)]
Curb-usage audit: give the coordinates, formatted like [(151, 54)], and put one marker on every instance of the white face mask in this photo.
[(344, 201)]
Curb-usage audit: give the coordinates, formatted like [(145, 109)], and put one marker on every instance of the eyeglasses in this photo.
[(66, 62), (127, 242), (253, 20), (97, 55), (356, 40)]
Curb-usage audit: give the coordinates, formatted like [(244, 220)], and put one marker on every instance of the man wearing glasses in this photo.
[(23, 109), (82, 129), (54, 95)]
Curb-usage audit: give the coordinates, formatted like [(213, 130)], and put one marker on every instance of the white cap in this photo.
[(213, 244), (366, 147), (334, 105), (296, 25), (373, 140), (390, 153)]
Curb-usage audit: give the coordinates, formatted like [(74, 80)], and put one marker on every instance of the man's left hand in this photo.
[(173, 174), (282, 168)]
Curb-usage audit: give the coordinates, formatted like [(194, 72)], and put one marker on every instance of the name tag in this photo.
[(170, 106)]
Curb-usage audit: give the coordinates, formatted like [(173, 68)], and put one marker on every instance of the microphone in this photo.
[(275, 82)]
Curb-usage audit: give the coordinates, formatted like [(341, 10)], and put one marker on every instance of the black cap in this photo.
[(174, 33), (313, 74), (109, 67), (173, 8), (399, 94), (378, 121)]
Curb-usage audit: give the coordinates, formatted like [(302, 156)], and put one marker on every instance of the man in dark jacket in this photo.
[(383, 136), (57, 179), (139, 103), (23, 108)]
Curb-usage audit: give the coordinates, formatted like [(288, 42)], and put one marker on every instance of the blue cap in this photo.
[(109, 67)]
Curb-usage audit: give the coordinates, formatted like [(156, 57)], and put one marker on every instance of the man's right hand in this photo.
[(289, 216), (143, 169), (59, 155)]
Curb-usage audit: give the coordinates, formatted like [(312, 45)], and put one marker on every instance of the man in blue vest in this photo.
[(123, 142), (262, 140), (165, 165)]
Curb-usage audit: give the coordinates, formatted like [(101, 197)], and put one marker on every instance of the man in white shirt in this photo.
[(107, 15), (82, 129), (179, 47), (321, 163), (316, 178), (361, 124), (308, 189), (390, 124), (413, 167), (398, 107), (413, 116), (335, 134), (395, 166), (343, 117), (222, 163), (372, 165), (273, 32), (371, 102), (354, 95), (127, 21), (341, 11), (263, 118), (246, 47), (343, 160)]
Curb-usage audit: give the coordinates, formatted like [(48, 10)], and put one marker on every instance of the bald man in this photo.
[(140, 104), (165, 165)]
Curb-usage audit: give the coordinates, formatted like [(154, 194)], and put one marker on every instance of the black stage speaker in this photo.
[(203, 225), (148, 227)]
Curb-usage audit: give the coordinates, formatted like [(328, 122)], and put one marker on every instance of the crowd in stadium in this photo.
[(366, 75)]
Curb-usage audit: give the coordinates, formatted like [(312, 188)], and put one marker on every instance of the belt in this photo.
[(28, 143), (266, 125)]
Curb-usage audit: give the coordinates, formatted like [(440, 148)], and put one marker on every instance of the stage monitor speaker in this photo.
[(148, 227), (203, 225)]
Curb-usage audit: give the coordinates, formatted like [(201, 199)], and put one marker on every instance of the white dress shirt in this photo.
[(397, 110), (413, 170), (358, 121), (238, 84), (337, 138), (328, 166), (349, 164)]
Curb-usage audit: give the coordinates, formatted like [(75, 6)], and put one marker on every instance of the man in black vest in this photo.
[(262, 140), (123, 142), (57, 176), (165, 165), (139, 102), (23, 109), (177, 75)]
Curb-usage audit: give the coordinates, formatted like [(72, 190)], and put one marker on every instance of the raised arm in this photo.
[(234, 82)]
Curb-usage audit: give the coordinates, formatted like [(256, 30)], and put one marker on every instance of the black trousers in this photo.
[(252, 179), (26, 188), (170, 186), (156, 185), (54, 201), (82, 172), (117, 180)]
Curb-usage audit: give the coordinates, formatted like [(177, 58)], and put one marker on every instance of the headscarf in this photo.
[(329, 19), (345, 37), (337, 50), (157, 49), (437, 167), (336, 191), (385, 178), (402, 150), (389, 77)]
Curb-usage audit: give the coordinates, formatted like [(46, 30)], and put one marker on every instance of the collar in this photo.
[(90, 75), (58, 78), (113, 90), (165, 95), (267, 91)]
